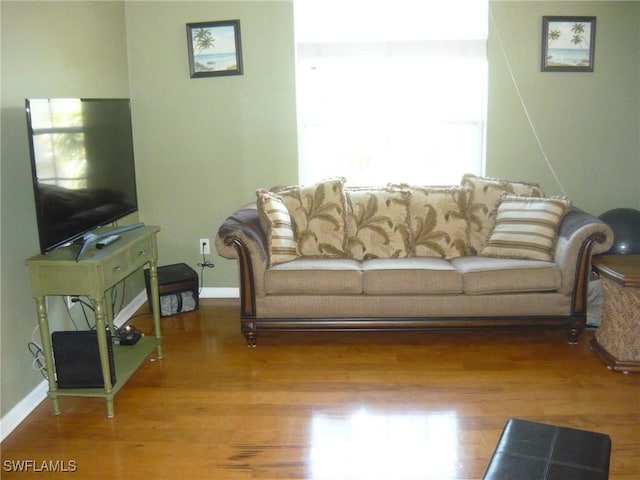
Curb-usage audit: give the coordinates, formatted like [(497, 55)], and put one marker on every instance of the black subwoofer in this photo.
[(77, 359)]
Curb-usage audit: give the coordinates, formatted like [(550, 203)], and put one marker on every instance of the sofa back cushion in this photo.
[(485, 197), (318, 214), (377, 222), (438, 221)]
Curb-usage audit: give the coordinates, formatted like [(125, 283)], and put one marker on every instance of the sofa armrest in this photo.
[(241, 236), (245, 224), (580, 236)]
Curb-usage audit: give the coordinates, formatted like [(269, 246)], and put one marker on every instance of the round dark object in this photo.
[(625, 223)]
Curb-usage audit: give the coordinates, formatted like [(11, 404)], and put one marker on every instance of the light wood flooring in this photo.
[(425, 405)]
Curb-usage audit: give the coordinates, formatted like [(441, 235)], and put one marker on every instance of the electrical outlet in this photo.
[(69, 300), (205, 246)]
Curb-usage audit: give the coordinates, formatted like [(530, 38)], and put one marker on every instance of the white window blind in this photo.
[(391, 91)]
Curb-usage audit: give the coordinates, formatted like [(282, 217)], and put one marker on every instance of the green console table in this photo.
[(92, 275)]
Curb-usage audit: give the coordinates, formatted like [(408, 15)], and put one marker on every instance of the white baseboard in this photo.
[(24, 407), (28, 404), (220, 292), (128, 310)]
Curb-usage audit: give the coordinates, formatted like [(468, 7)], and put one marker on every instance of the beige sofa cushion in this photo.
[(402, 276), (314, 276), (482, 275), (485, 198), (377, 222), (438, 221), (276, 223), (318, 214), (526, 227)]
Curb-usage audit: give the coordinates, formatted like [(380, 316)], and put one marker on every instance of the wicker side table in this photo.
[(617, 340)]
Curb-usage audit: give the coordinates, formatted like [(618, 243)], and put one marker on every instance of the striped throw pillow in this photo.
[(276, 223), (526, 227)]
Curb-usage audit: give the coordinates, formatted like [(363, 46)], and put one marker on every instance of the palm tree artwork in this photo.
[(568, 42), (214, 48)]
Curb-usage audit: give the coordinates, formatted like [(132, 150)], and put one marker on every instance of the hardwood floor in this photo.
[(425, 405)]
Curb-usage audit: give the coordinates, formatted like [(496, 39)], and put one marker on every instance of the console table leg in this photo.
[(155, 300), (47, 348), (110, 409), (101, 333)]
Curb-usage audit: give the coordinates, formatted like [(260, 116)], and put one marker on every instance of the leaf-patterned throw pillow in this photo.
[(485, 197), (318, 214), (377, 222), (438, 221), (276, 222)]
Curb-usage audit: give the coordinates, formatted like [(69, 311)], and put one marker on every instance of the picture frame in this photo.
[(214, 48), (568, 44)]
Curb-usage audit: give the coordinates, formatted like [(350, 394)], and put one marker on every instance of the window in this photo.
[(391, 91)]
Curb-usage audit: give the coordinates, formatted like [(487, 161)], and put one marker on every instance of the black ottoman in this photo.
[(536, 451), (177, 287)]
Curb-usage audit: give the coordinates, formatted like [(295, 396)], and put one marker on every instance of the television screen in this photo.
[(82, 164)]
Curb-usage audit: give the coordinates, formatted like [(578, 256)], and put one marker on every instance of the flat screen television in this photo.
[(82, 166)]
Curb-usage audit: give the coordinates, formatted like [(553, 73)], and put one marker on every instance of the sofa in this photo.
[(485, 253)]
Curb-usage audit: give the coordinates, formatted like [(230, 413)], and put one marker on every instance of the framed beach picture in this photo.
[(568, 44), (214, 48)]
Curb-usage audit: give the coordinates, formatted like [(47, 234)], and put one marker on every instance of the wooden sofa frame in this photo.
[(575, 322)]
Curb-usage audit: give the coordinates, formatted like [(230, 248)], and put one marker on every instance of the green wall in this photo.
[(204, 145), (588, 123)]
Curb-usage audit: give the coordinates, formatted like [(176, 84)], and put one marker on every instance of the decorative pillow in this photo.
[(318, 215), (526, 227), (485, 197), (438, 221), (377, 222), (276, 222)]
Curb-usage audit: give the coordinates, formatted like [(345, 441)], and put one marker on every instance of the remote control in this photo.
[(107, 241)]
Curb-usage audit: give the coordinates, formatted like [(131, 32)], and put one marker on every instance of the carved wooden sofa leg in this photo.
[(574, 333), (248, 328), (576, 327)]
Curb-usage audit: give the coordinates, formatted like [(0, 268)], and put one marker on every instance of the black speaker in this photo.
[(77, 359)]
